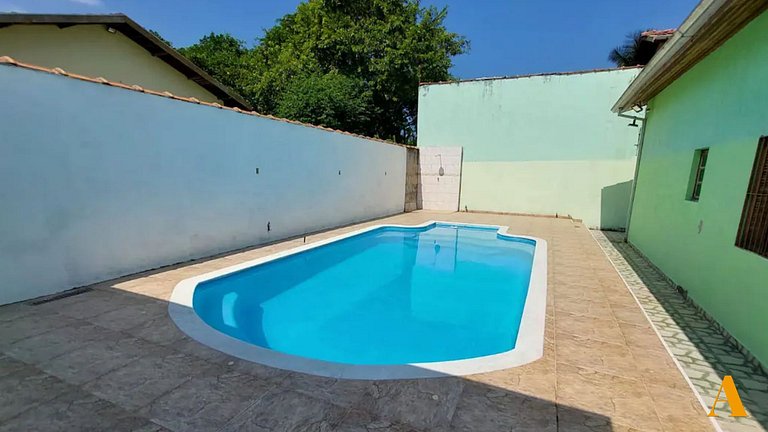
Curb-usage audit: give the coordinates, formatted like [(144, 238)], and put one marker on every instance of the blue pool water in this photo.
[(384, 297)]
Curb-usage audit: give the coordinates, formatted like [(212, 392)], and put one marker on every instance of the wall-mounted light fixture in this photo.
[(111, 29), (633, 118)]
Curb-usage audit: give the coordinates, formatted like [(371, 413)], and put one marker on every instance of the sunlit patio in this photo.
[(111, 358)]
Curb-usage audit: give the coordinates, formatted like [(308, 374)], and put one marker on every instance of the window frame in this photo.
[(698, 169), (752, 234)]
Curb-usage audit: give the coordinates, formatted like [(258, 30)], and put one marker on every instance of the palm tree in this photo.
[(636, 50)]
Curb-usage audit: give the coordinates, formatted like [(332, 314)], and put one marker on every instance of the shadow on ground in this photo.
[(106, 359)]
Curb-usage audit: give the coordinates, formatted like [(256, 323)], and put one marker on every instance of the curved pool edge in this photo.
[(528, 348)]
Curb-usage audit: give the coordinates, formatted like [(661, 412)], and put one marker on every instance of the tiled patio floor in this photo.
[(111, 359), (703, 353)]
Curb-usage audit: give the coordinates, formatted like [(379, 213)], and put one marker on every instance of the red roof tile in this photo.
[(58, 71), (659, 32)]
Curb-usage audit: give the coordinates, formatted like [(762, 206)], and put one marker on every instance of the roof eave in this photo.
[(710, 24), (209, 83), (141, 36)]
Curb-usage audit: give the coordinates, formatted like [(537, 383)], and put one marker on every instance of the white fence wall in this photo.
[(98, 182)]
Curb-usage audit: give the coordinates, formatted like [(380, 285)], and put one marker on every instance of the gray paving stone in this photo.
[(423, 404), (159, 330), (363, 421), (283, 411), (259, 371), (30, 325), (41, 348), (344, 393), (15, 311), (147, 378), (75, 410), (208, 402), (150, 426), (195, 348), (93, 303), (483, 409), (130, 316), (97, 358), (9, 365), (27, 387)]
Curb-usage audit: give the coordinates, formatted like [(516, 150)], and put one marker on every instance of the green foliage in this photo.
[(349, 64), (331, 100), (223, 57), (635, 51), (162, 39)]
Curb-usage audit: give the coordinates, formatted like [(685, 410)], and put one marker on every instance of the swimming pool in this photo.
[(384, 302)]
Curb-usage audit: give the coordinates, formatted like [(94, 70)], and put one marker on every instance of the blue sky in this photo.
[(508, 37)]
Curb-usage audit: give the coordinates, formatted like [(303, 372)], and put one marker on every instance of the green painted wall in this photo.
[(540, 144), (720, 104), (92, 51)]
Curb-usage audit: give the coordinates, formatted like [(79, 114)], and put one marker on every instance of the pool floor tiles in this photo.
[(111, 358)]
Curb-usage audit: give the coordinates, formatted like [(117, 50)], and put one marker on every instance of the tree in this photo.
[(351, 64), (225, 58), (162, 39), (331, 100), (635, 51)]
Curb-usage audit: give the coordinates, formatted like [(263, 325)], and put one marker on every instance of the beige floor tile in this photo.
[(585, 307), (630, 315), (609, 358), (658, 368), (623, 399), (678, 411), (642, 337), (606, 330)]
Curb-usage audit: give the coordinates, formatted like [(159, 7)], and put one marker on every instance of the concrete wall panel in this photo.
[(98, 182), (541, 144)]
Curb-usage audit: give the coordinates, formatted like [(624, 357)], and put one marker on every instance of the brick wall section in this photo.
[(411, 179)]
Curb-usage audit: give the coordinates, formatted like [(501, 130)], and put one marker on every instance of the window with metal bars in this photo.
[(697, 174), (753, 229)]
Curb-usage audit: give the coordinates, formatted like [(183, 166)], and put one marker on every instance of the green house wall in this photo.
[(720, 104), (545, 144)]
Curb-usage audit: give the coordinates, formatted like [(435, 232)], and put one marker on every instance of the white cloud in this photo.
[(10, 7), (88, 2)]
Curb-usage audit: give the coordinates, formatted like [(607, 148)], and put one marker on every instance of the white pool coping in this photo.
[(529, 346)]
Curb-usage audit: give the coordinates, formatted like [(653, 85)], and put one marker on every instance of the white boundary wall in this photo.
[(98, 182)]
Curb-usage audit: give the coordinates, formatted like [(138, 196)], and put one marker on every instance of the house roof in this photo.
[(657, 35), (140, 36), (8, 61), (710, 24)]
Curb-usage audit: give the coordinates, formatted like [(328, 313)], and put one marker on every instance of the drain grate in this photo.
[(54, 297)]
